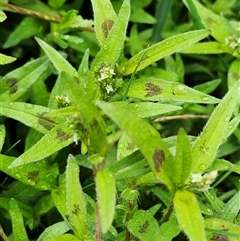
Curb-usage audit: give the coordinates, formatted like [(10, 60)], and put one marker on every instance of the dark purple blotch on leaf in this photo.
[(152, 90), (158, 159), (143, 228)]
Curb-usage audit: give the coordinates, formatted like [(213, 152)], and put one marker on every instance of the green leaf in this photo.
[(2, 136), (16, 83), (223, 165), (106, 56), (31, 174), (233, 73), (231, 209), (104, 18), (189, 215), (215, 202), (219, 229), (106, 193), (144, 226), (76, 205), (43, 205), (155, 89), (19, 230), (208, 48), (59, 62), (5, 59), (3, 16), (219, 26), (163, 49), (33, 116), (54, 140), (141, 16), (60, 198), (91, 116), (27, 28), (205, 148), (152, 146), (65, 237), (53, 231), (147, 109), (208, 87), (183, 159), (169, 229)]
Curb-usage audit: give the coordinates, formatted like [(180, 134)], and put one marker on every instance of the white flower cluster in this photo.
[(202, 183), (233, 42), (106, 74)]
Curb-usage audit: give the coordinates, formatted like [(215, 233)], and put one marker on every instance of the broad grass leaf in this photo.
[(31, 174), (19, 230), (111, 49), (106, 194), (76, 205), (183, 159), (91, 116), (54, 140), (29, 27), (152, 146), (33, 116), (53, 231), (104, 18), (155, 89), (189, 215), (162, 49), (144, 226), (205, 148), (220, 229), (59, 62), (15, 84)]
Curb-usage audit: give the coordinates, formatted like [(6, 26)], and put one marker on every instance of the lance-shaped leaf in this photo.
[(106, 193), (91, 116), (106, 55), (152, 146), (5, 59), (205, 148), (41, 175), (54, 140), (54, 230), (59, 62), (219, 26), (162, 49), (75, 199), (19, 230), (33, 116), (183, 160), (233, 73), (220, 229), (2, 136), (16, 83), (189, 215), (155, 89), (104, 18), (148, 109)]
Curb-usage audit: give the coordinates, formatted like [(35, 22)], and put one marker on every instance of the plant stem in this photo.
[(183, 117), (3, 235), (98, 226)]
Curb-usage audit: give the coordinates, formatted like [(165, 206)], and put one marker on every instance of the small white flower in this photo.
[(109, 88), (196, 177)]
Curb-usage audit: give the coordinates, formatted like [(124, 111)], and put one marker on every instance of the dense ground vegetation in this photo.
[(119, 120)]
